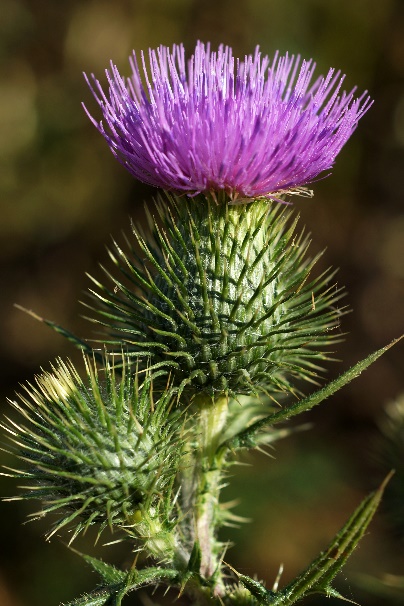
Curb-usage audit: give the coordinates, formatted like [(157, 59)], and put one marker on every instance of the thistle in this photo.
[(224, 296), (99, 451), (213, 318)]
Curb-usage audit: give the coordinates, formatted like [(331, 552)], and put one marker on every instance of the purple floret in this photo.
[(251, 128)]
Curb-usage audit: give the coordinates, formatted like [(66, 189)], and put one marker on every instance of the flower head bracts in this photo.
[(253, 128)]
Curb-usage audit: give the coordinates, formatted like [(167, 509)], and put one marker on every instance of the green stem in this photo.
[(202, 483)]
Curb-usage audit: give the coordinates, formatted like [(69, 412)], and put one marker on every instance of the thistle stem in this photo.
[(203, 485)]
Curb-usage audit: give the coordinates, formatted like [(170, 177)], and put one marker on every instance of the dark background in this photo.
[(62, 195)]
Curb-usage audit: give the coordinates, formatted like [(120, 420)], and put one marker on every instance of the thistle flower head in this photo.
[(251, 128), (97, 451)]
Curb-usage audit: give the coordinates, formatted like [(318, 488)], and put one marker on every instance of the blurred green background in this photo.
[(62, 195)]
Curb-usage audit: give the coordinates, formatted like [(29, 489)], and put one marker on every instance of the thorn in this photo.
[(264, 452), (134, 564), (229, 504), (278, 578), (225, 548), (220, 599), (29, 312), (331, 592), (386, 480), (183, 584), (232, 569)]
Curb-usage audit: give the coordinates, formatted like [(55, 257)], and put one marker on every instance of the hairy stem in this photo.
[(202, 483)]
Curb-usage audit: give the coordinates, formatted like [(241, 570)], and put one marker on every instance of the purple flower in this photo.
[(251, 128)]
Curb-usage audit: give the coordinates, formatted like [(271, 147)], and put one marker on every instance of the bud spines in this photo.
[(222, 295), (100, 450)]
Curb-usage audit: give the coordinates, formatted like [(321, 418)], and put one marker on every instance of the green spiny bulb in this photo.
[(222, 294), (98, 451)]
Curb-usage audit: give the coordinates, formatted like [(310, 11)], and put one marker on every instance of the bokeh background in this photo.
[(62, 195)]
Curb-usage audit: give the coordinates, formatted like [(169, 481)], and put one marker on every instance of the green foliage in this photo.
[(320, 573), (247, 437), (195, 558), (223, 296), (209, 324), (99, 451), (108, 573), (317, 577), (112, 594)]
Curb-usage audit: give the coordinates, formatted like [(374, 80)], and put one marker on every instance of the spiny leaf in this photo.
[(318, 576), (320, 573), (150, 576), (112, 594), (246, 437), (108, 573), (194, 564), (256, 589), (99, 597)]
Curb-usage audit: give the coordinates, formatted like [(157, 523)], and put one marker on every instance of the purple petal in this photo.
[(251, 128)]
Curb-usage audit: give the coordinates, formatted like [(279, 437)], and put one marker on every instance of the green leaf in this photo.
[(108, 573), (256, 589), (113, 594), (193, 568), (320, 573), (194, 564), (245, 438), (318, 576), (95, 598), (151, 575)]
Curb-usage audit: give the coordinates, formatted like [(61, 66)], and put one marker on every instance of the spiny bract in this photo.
[(101, 451), (222, 295)]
